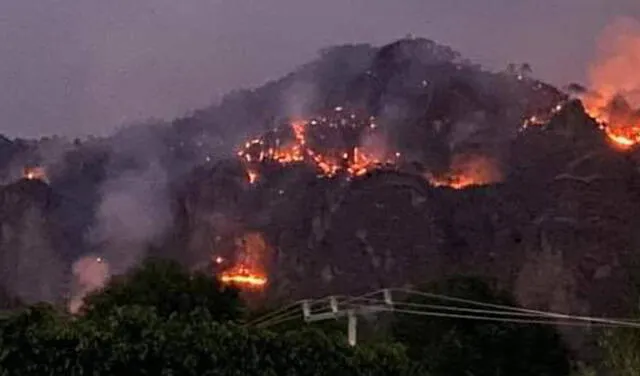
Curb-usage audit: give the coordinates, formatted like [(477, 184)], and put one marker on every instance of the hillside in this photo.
[(366, 167)]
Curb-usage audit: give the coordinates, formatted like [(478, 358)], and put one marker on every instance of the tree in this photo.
[(136, 339), (26, 339), (170, 289), (621, 351), (620, 347), (525, 70), (453, 346)]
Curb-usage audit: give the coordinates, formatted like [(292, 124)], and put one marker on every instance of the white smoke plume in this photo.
[(90, 273), (298, 99), (134, 211)]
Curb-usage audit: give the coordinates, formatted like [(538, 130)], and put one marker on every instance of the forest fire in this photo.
[(542, 119), (614, 79), (624, 137), (248, 270), (467, 171), (452, 181), (344, 143), (331, 144), (243, 276), (617, 119)]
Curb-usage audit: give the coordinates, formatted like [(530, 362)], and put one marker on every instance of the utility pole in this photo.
[(352, 328), (351, 313)]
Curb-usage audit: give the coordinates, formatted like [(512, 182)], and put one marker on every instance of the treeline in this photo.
[(135, 340), (162, 320)]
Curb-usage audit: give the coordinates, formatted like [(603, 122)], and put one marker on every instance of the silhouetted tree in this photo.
[(461, 347), (136, 340), (170, 289)]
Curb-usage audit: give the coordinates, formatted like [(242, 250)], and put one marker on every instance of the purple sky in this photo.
[(76, 67)]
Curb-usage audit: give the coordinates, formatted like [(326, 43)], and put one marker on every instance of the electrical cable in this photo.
[(522, 310)]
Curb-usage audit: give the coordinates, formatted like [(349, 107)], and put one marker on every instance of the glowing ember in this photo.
[(542, 119), (253, 176), (34, 173), (243, 276), (467, 171), (455, 182), (247, 272), (331, 144)]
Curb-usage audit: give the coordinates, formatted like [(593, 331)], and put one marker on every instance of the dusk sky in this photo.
[(79, 67)]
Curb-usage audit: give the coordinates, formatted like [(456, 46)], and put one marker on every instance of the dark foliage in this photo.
[(460, 347), (137, 341), (170, 289)]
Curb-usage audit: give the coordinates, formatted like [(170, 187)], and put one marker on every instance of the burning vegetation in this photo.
[(614, 100), (335, 144), (468, 171), (247, 270), (343, 143)]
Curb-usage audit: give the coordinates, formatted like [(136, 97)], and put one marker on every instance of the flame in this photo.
[(243, 276), (34, 173), (542, 119), (614, 78), (252, 175), (248, 271), (467, 171), (313, 141), (453, 181), (310, 141)]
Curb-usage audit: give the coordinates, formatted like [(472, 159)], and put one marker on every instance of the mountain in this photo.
[(367, 167)]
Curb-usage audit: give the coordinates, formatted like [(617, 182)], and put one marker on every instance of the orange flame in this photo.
[(243, 276), (248, 272), (354, 160), (34, 173), (615, 104), (467, 171)]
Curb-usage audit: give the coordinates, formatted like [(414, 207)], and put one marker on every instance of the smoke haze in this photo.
[(615, 70), (84, 67), (133, 212), (90, 273)]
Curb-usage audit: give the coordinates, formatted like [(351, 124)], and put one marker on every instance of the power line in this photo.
[(556, 315), (609, 322), (286, 310), (349, 307), (287, 315), (499, 319), (274, 313)]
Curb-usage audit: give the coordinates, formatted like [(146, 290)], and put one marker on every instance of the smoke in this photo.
[(481, 169), (467, 170), (133, 213), (375, 145), (615, 71), (90, 273), (299, 98), (614, 77), (46, 154)]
